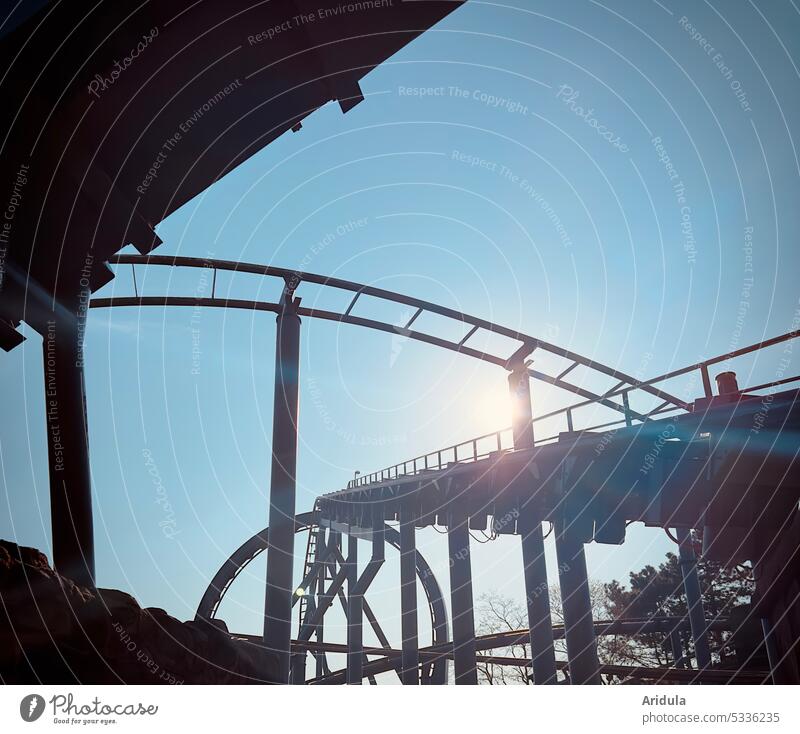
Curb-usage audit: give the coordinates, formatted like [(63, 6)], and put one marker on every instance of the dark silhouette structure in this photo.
[(116, 116), (724, 464)]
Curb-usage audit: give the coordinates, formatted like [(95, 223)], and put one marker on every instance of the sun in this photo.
[(492, 409)]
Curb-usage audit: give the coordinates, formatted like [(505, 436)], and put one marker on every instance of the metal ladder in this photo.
[(311, 552)]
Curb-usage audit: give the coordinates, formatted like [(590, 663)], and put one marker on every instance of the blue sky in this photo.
[(551, 211)]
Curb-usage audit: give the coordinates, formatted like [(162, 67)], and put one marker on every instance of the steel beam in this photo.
[(538, 600), (466, 671), (694, 596), (355, 618), (319, 631), (529, 526), (675, 646), (280, 557), (584, 666), (68, 450), (408, 595)]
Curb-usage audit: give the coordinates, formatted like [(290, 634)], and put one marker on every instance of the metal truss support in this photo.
[(280, 557), (694, 597), (464, 661), (315, 581), (329, 568), (408, 595), (584, 666), (355, 617), (68, 449), (529, 526)]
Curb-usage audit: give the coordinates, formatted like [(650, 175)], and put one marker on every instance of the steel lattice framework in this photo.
[(680, 464)]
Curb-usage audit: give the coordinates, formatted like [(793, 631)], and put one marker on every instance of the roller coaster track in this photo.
[(526, 344), (359, 510)]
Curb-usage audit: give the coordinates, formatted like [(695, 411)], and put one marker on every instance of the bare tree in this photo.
[(652, 592)]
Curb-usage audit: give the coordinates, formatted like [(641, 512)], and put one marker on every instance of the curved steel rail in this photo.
[(293, 279), (258, 543)]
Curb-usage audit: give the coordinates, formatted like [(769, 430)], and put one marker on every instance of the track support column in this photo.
[(584, 666), (537, 595), (464, 662), (694, 597), (355, 617), (68, 450), (408, 595), (280, 556)]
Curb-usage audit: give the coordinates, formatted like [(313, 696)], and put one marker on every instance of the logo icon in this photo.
[(32, 707)]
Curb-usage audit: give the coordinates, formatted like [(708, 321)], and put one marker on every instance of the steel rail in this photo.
[(510, 638), (293, 278), (189, 301), (388, 660), (702, 367)]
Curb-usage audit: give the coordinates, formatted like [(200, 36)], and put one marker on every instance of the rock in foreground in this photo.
[(54, 631)]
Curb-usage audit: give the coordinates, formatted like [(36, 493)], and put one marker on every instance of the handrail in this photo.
[(386, 473)]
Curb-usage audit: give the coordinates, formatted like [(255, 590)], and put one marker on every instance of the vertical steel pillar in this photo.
[(584, 666), (408, 595), (280, 556), (694, 597), (540, 623), (677, 652), (538, 600), (464, 662), (298, 666), (68, 450), (355, 618)]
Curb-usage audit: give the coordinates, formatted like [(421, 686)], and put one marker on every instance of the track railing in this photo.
[(475, 449)]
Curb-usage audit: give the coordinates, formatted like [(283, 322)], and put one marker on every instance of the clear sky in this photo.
[(511, 163)]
